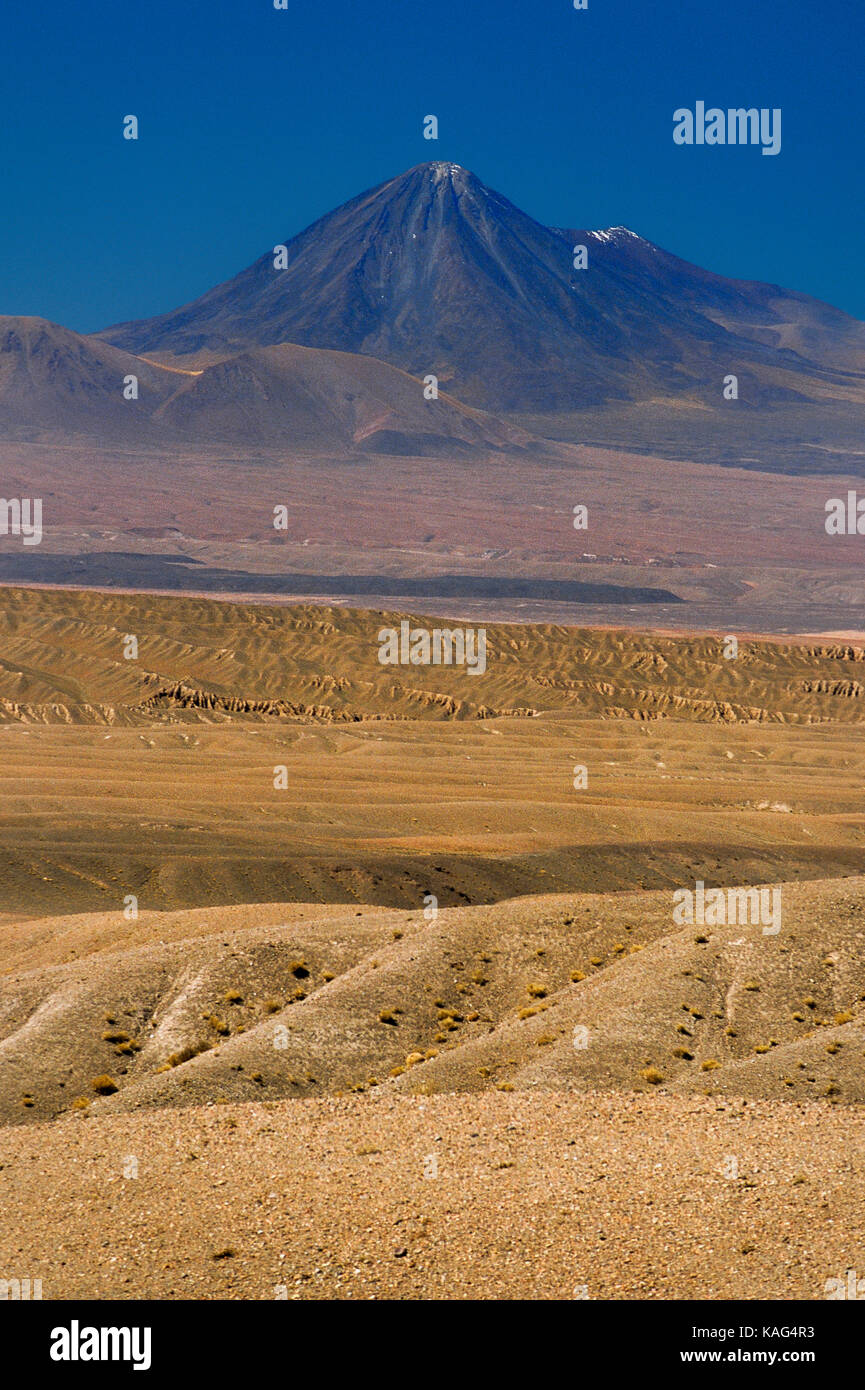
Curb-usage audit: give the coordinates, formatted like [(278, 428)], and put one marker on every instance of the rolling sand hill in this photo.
[(556, 993), (426, 978)]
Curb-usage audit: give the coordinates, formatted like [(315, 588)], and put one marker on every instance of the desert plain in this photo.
[(328, 979)]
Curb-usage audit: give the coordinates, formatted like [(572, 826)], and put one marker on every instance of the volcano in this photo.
[(433, 272)]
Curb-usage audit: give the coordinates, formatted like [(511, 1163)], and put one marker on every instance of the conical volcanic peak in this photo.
[(435, 272)]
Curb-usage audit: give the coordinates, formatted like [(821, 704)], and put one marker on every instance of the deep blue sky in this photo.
[(255, 121)]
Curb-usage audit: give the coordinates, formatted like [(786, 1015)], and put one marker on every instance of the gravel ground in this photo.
[(489, 1195)]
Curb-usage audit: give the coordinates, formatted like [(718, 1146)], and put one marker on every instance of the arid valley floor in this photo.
[(294, 1074)]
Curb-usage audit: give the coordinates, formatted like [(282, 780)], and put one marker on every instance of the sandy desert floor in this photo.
[(529, 1195)]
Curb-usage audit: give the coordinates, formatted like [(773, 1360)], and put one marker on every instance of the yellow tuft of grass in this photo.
[(177, 1059), (104, 1085), (652, 1075)]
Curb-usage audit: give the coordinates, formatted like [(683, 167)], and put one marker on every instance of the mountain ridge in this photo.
[(54, 381)]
